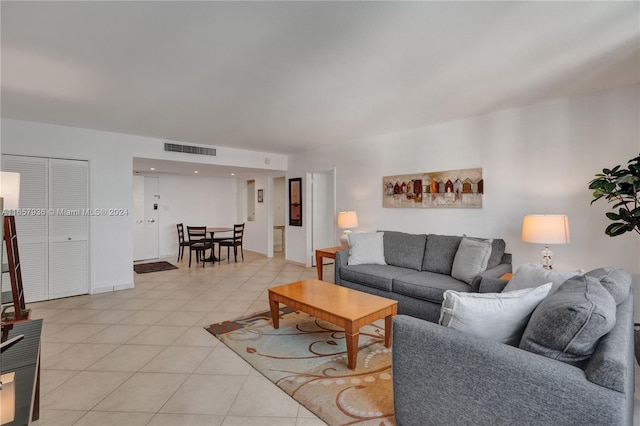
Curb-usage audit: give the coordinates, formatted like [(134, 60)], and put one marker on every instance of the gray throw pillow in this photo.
[(568, 324), (616, 280), (471, 259), (441, 250), (404, 250), (497, 250), (532, 275)]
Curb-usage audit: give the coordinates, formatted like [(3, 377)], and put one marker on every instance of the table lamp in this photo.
[(9, 191), (546, 229), (346, 220)]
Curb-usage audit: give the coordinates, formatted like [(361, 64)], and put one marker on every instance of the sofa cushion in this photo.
[(497, 251), (616, 280), (427, 285), (532, 275), (471, 259), (441, 250), (366, 248), (405, 250), (567, 325), (376, 276), (497, 316)]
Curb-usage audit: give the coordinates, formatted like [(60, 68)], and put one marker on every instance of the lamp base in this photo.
[(547, 261), (344, 239)]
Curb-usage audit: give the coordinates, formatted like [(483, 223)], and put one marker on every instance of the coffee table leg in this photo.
[(352, 348), (388, 326), (319, 265), (275, 313)]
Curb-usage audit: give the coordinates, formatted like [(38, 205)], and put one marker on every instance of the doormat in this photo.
[(143, 268)]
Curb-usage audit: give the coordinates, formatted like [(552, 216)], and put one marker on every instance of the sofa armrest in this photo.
[(488, 285), (498, 271), (491, 286), (460, 379), (342, 257)]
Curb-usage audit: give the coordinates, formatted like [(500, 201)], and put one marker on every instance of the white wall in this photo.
[(535, 159), (256, 233), (110, 157), (278, 201), (193, 201)]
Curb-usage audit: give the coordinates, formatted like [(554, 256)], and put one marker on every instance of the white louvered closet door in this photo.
[(68, 228), (31, 224)]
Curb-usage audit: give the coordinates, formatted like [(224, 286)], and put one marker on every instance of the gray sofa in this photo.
[(418, 271), (444, 376)]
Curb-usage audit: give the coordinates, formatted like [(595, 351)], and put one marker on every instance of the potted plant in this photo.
[(622, 187)]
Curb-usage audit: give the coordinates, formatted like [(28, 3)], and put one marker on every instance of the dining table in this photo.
[(214, 230)]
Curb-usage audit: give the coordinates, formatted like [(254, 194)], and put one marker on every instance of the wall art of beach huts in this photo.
[(450, 189)]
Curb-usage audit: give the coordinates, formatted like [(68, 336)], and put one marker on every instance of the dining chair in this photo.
[(235, 242), (199, 243), (182, 243)]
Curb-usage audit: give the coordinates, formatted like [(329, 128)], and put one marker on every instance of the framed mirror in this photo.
[(295, 202)]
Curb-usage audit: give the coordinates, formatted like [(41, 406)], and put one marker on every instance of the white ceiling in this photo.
[(286, 77)]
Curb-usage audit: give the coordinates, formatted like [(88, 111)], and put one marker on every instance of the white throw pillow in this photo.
[(532, 275), (366, 248), (471, 259), (497, 316)]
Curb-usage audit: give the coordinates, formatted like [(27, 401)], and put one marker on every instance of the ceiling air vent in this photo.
[(187, 149)]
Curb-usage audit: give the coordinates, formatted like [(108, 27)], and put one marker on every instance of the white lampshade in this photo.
[(545, 229), (7, 398), (347, 220), (10, 189)]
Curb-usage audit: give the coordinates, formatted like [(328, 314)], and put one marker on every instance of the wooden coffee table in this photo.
[(341, 306)]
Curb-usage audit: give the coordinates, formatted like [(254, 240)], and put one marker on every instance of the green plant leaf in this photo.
[(616, 229), (613, 216), (621, 187)]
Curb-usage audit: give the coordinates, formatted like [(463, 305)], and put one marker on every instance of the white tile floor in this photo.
[(142, 357)]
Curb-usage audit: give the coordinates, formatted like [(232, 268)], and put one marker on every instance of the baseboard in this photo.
[(123, 286), (293, 262), (110, 289)]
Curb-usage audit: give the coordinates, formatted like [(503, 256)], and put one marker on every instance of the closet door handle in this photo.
[(151, 221)]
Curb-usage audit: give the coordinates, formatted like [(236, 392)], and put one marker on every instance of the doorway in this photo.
[(323, 211), (145, 218), (278, 204)]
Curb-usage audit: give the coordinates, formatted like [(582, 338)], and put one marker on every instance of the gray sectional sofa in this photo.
[(417, 271), (562, 372)]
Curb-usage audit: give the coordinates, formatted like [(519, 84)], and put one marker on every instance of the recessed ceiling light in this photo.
[(195, 171), (153, 168), (233, 174)]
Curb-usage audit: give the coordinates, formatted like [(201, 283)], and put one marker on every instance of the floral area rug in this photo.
[(306, 357)]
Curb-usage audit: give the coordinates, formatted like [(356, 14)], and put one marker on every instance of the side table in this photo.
[(329, 253)]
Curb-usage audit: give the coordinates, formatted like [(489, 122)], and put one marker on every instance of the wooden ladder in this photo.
[(15, 272)]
